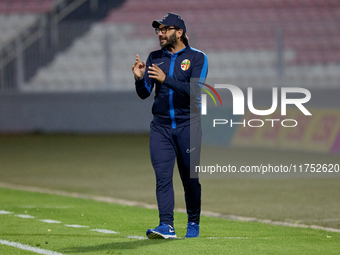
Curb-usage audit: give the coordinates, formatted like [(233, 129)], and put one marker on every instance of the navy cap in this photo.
[(170, 19)]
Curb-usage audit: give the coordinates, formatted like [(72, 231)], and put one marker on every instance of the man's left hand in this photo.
[(156, 73)]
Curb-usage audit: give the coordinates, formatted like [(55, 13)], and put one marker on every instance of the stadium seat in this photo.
[(12, 25), (239, 38), (26, 6), (83, 65)]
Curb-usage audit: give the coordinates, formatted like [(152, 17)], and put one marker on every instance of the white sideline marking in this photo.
[(105, 231), (50, 221), (24, 216), (5, 212), (150, 206), (29, 248), (137, 237), (76, 226)]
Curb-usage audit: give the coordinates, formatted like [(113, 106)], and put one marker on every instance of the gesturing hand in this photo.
[(156, 73), (138, 68)]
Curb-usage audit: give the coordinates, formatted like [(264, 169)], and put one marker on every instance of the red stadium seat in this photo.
[(246, 24), (26, 6)]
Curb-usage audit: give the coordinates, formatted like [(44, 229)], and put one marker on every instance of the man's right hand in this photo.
[(138, 68)]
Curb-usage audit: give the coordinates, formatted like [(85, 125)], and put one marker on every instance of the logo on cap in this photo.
[(166, 15), (185, 64)]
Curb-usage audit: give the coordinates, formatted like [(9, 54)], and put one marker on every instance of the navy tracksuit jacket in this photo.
[(175, 131)]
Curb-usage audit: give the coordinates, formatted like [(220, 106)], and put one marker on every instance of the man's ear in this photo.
[(179, 33)]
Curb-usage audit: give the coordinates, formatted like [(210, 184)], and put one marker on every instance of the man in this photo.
[(177, 72)]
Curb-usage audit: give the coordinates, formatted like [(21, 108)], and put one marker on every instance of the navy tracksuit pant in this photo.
[(167, 144)]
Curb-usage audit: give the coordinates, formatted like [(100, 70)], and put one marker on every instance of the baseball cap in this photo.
[(170, 19)]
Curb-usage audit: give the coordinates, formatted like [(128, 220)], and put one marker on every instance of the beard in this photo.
[(170, 42)]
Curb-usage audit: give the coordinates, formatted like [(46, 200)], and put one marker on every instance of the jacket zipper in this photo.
[(171, 92)]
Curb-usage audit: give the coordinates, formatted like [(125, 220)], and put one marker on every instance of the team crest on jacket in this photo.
[(185, 64)]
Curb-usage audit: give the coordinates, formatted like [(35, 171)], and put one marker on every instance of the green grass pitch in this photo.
[(119, 166), (218, 236)]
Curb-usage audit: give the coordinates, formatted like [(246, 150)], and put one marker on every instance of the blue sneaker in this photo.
[(163, 231), (193, 230)]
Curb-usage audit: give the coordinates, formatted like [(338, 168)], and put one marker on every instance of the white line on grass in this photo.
[(137, 237), (76, 226), (105, 231), (29, 248), (150, 206), (5, 212), (50, 221), (24, 216)]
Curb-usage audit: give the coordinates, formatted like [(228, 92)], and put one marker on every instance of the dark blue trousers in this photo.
[(167, 144)]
